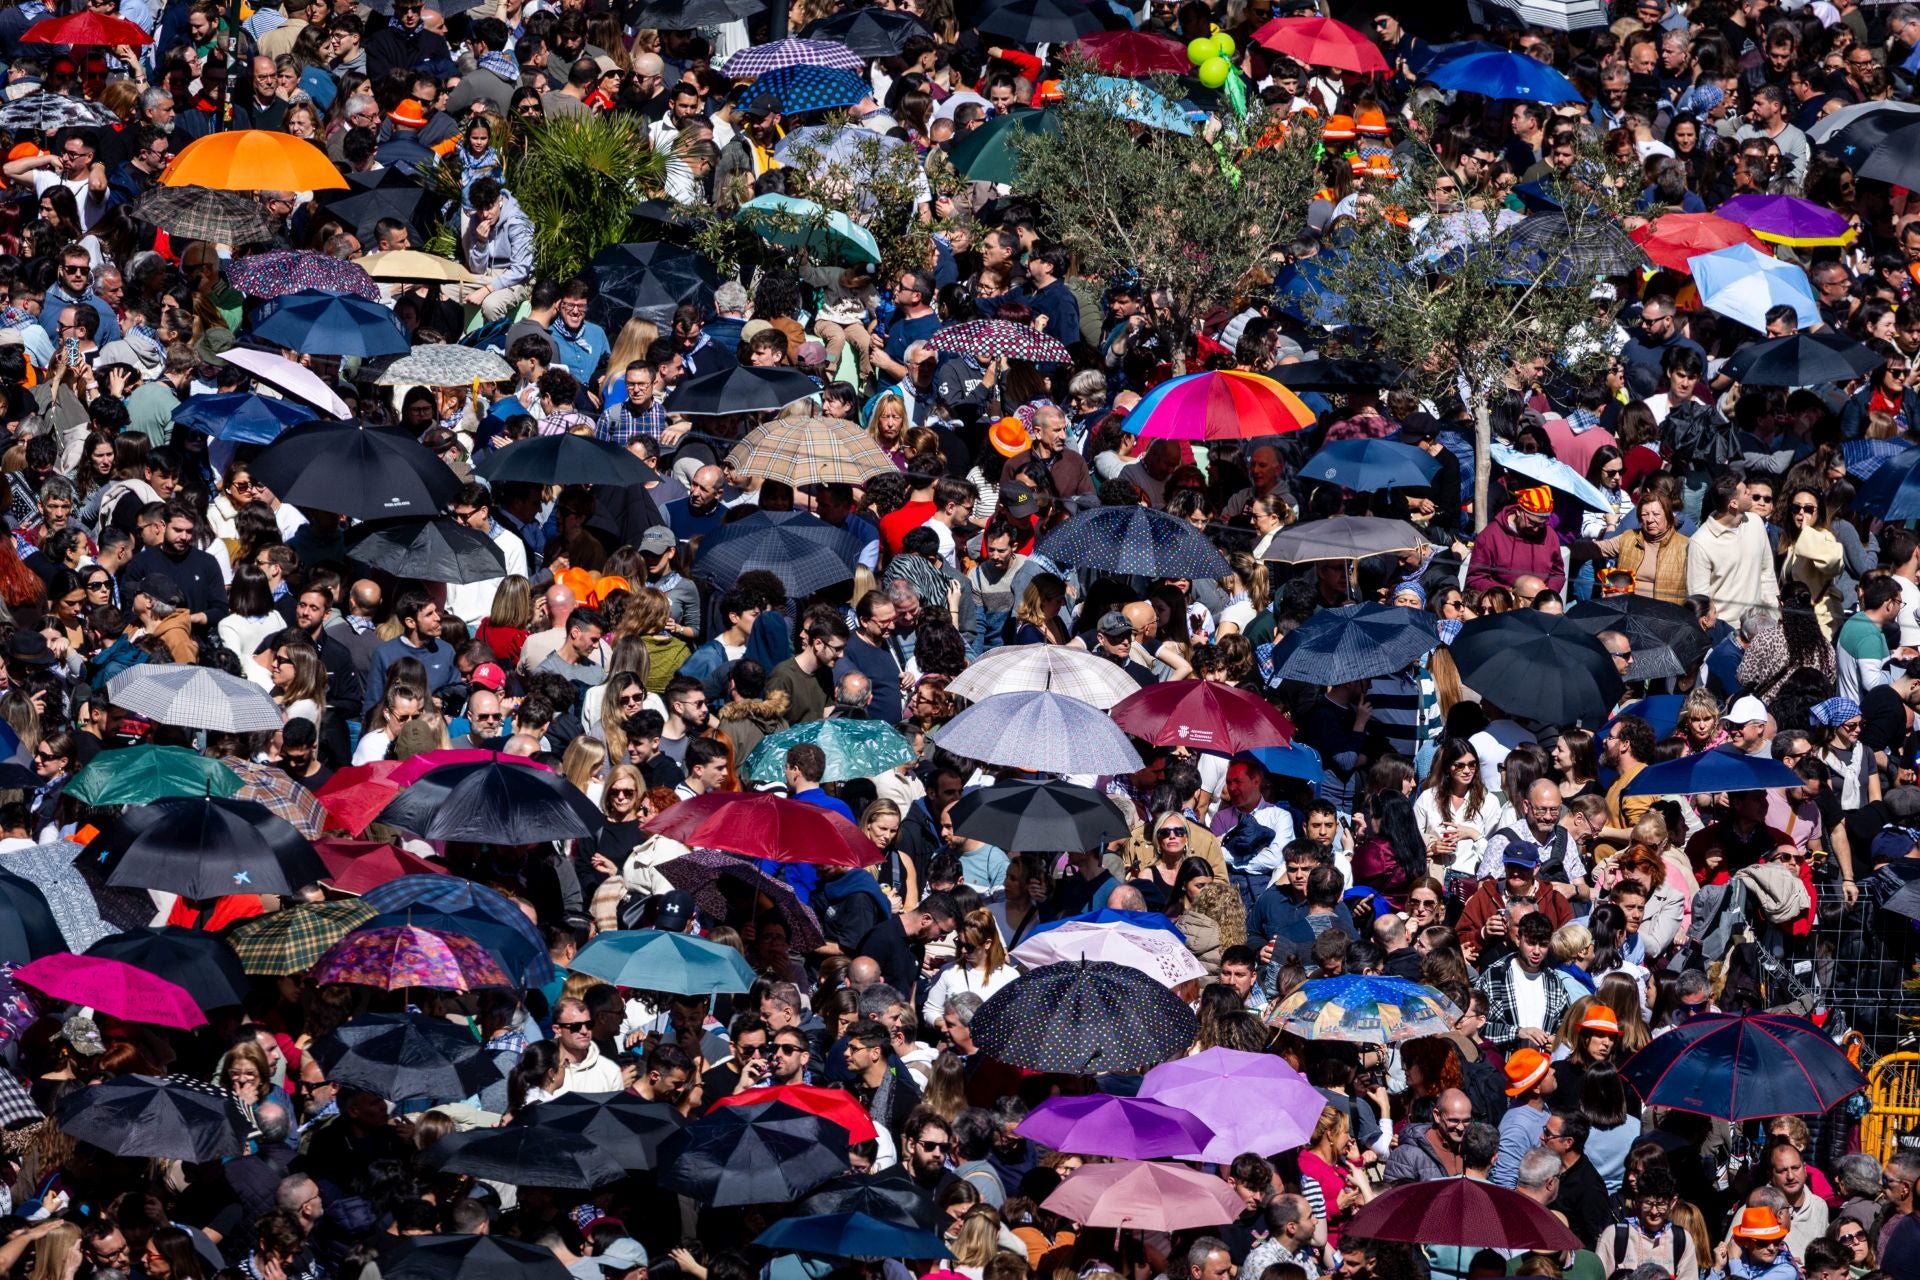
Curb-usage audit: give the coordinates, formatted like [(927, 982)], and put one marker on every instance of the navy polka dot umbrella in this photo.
[(1085, 1017)]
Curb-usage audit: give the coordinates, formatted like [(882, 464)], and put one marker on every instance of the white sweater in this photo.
[(1733, 567)]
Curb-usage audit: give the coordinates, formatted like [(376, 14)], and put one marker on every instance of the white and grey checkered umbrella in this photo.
[(50, 866), (1560, 15), (194, 698), (45, 112), (1055, 667), (1042, 731)]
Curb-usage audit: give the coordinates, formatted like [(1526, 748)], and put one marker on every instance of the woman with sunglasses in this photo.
[(1856, 1241), (1169, 845), (1836, 732), (1811, 554), (399, 705)]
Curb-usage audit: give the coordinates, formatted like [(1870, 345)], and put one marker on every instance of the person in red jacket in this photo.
[(1519, 541), (1491, 911)]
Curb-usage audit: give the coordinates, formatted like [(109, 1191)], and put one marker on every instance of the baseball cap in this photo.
[(760, 106), (1526, 1068), (676, 912), (811, 352), (624, 1254), (1018, 500), (1521, 853), (162, 589), (1745, 710), (1420, 425), (489, 676), (1114, 625), (658, 540), (1891, 843)]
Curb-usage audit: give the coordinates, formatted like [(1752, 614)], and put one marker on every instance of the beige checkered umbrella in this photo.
[(800, 451)]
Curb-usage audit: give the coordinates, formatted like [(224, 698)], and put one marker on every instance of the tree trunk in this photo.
[(1482, 460)]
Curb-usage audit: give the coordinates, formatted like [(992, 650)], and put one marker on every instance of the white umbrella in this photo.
[(1553, 473), (195, 698), (1039, 731), (1561, 15), (1155, 952), (290, 377), (1061, 668)]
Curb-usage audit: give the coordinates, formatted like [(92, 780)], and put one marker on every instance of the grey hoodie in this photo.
[(505, 257)]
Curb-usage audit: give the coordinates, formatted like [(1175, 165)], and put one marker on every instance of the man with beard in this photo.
[(1519, 542)]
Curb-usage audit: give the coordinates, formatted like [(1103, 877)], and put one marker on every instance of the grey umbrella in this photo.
[(195, 698), (50, 867), (1042, 731), (441, 365), (1343, 538)]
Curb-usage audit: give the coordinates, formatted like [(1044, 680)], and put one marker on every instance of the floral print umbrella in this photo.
[(284, 271), (397, 956)]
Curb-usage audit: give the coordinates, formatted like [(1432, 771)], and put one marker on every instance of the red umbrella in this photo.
[(86, 27), (354, 796), (115, 988), (1322, 42), (417, 767), (1205, 715), (1463, 1212), (355, 866), (1133, 53), (1672, 238), (834, 1105), (757, 825)]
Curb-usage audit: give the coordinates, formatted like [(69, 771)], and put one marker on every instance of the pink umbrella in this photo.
[(405, 955), (1252, 1101), (113, 987), (417, 767), (1142, 1196), (294, 379)]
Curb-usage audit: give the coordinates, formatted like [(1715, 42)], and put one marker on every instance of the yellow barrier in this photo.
[(1893, 1087)]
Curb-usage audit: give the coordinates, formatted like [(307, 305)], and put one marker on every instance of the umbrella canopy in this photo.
[(356, 866), (730, 888), (803, 550), (1031, 22), (393, 957), (1355, 642), (1789, 220), (1496, 73), (854, 749), (1084, 1017), (296, 380), (469, 1258), (1865, 457), (1133, 540), (1666, 637), (1889, 160), (1217, 405), (241, 417), (253, 160), (1364, 1010), (1322, 42), (202, 964), (369, 473), (1859, 127), (625, 1128), (1343, 538), (384, 193), (1550, 471), (1252, 1101), (524, 1156), (414, 768), (1538, 665), (1133, 53), (411, 266), (1725, 768), (1893, 491), (1043, 732), (1149, 920), (1744, 284), (647, 280), (1203, 715), (655, 960), (1102, 1124), (1802, 360), (990, 153), (292, 940), (505, 948), (870, 33), (354, 796), (837, 1105), (284, 271), (457, 895), (157, 1117), (400, 1056), (1747, 1066), (1465, 1212), (1337, 373), (805, 88), (1159, 954), (437, 550), (28, 929), (1560, 15), (764, 1153), (439, 365), (802, 451), (87, 27), (1139, 1195), (1042, 817), (827, 235), (486, 800), (1672, 238), (50, 870), (890, 1196), (1056, 668), (196, 213), (689, 15), (113, 987), (195, 698), (851, 1235), (206, 848), (754, 62), (759, 825), (740, 389), (987, 341), (1548, 248), (334, 324), (1371, 464)]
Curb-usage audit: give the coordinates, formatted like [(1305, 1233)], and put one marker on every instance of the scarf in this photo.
[(501, 64)]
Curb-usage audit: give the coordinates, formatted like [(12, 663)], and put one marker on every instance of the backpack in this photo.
[(1676, 1244)]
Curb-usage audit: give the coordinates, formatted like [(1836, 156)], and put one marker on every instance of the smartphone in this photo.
[(73, 352)]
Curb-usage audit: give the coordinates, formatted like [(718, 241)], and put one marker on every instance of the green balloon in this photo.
[(1214, 72), (1224, 43), (1198, 51)]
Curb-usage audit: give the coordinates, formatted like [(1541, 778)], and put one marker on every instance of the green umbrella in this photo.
[(651, 960), (826, 235), (141, 775), (855, 749), (292, 940), (986, 154)]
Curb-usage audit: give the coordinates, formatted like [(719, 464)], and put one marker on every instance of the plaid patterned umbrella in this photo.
[(292, 940), (1059, 668), (750, 64), (990, 340), (408, 956), (283, 271), (196, 213), (804, 88), (195, 698), (47, 112), (1864, 457), (802, 451), (722, 884), (17, 1107), (284, 798)]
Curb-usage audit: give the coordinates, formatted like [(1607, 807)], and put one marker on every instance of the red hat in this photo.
[(488, 675), (1538, 500)]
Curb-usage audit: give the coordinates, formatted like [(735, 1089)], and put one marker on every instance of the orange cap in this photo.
[(1372, 123), (1756, 1222), (1339, 129), (1525, 1068), (410, 114), (1008, 437), (1600, 1018), (23, 151)]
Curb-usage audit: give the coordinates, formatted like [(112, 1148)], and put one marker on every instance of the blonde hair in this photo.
[(1329, 1128), (979, 1237), (615, 776), (512, 603), (635, 336), (1569, 940), (647, 611), (51, 1252), (585, 757), (979, 930), (254, 1056)]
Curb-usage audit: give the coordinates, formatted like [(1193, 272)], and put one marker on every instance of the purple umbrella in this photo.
[(270, 275), (1125, 1128), (1788, 220), (1253, 1101), (751, 64), (720, 884)]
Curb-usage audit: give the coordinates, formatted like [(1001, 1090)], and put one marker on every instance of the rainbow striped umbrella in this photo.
[(1218, 405)]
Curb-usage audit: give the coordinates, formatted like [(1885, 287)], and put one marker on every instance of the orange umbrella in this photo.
[(253, 160)]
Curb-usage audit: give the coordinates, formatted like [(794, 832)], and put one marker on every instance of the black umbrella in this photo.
[(564, 459), (869, 32), (1853, 131), (1544, 666), (1545, 247), (628, 1130), (120, 909), (206, 847), (203, 963), (689, 15), (1667, 639), (1037, 21), (525, 1157), (1134, 540), (1892, 159), (1803, 359), (27, 927), (1039, 817), (1337, 374), (1084, 1017), (400, 1056), (889, 1196), (763, 1153), (740, 388), (384, 193), (368, 473), (1355, 642), (647, 280), (800, 548), (162, 1117), (469, 1258), (442, 550), (492, 803)]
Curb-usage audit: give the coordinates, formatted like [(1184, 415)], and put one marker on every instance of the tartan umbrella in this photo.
[(805, 551), (197, 213), (808, 88), (87, 27), (1056, 667), (1134, 540), (990, 340), (804, 451), (284, 798), (854, 749), (195, 698), (750, 64), (292, 940), (284, 271), (46, 112), (729, 888), (400, 956), (869, 32), (139, 775)]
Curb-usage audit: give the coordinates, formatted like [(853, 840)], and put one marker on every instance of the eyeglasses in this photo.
[(632, 699), (572, 1026), (1460, 766)]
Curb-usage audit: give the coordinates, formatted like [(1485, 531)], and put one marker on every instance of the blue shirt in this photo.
[(436, 658), (904, 332), (582, 349), (687, 523), (819, 799)]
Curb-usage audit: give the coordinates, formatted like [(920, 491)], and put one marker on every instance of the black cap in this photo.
[(162, 589), (676, 911), (1420, 425), (1019, 500), (31, 648), (760, 106)]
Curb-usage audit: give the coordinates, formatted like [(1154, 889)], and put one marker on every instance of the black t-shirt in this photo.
[(886, 945), (1883, 715)]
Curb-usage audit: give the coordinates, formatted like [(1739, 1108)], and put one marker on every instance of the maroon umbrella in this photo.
[(757, 825), (1204, 715), (729, 888), (1133, 53), (1463, 1212)]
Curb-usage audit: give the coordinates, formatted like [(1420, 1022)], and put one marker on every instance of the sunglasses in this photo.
[(571, 1026)]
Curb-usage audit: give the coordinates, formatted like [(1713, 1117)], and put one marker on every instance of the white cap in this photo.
[(1746, 710)]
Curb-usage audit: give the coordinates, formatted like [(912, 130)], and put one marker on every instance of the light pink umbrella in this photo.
[(1144, 1196), (113, 987), (1157, 953), (1252, 1101), (290, 377)]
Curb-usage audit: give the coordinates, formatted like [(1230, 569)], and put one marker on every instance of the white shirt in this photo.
[(1492, 744), (473, 601), (1909, 615)]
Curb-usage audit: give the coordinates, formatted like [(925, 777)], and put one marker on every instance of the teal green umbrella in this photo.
[(653, 960), (827, 235), (987, 155), (141, 775), (855, 749)]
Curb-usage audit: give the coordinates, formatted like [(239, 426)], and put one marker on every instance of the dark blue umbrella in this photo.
[(241, 417), (851, 1235), (1740, 1067), (1134, 540), (1295, 760), (1356, 641), (801, 549), (1894, 491), (806, 88), (1371, 464), (1662, 711), (1711, 772), (761, 1153), (1865, 457), (330, 324)]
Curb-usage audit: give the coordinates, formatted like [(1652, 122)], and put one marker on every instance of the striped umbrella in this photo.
[(1221, 404), (751, 64)]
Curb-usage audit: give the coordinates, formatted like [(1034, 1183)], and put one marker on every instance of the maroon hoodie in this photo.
[(1501, 556)]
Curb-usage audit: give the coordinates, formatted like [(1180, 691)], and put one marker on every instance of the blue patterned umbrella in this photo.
[(1364, 1010), (241, 417), (808, 88), (1864, 457), (854, 748), (751, 64), (1355, 642), (1134, 540), (284, 271), (330, 324)]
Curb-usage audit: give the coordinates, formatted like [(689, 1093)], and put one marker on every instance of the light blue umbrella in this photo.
[(1550, 471), (1741, 283), (654, 960), (854, 156), (854, 748), (1131, 100), (829, 236), (1040, 731)]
